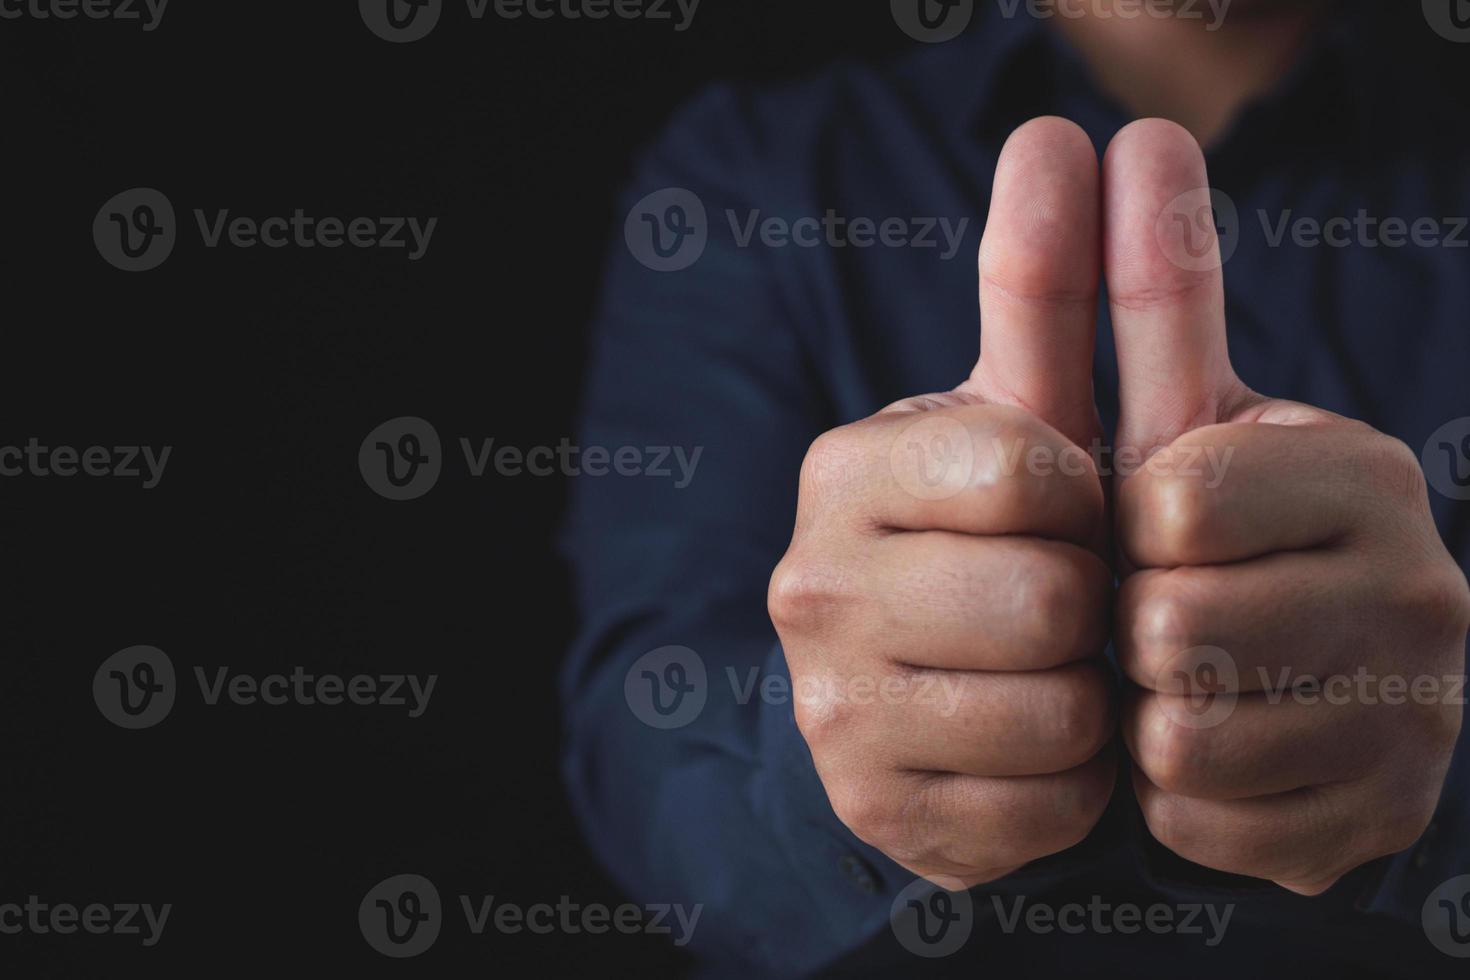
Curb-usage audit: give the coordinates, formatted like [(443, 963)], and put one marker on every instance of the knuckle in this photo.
[(1329, 847), (1062, 608), (1397, 468), (1181, 511), (1076, 713), (863, 810), (1407, 816), (879, 816), (1445, 723), (829, 463), (1443, 600), (803, 593), (1064, 821), (1160, 623), (824, 722), (1174, 757), (1171, 824), (1011, 487)]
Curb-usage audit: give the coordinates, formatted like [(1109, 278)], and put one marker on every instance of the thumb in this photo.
[(1166, 290), (1040, 263)]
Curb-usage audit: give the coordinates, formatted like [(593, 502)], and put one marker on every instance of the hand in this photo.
[(931, 562), (1270, 544)]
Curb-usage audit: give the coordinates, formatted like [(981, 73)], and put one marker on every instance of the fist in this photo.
[(1292, 622), (943, 606)]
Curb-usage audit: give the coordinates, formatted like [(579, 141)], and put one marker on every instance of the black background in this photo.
[(262, 548)]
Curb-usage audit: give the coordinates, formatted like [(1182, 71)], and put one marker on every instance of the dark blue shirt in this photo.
[(684, 764)]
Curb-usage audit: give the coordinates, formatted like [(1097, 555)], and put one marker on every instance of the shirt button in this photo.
[(858, 873)]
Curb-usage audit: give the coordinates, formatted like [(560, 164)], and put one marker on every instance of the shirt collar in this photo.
[(1008, 69)]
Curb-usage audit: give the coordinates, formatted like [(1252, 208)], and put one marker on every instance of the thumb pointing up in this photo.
[(1040, 263), (1166, 290)]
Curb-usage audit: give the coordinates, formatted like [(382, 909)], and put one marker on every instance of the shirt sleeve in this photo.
[(715, 802), (681, 754)]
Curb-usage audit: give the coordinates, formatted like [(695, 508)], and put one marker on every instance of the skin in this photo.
[(1316, 552), (1197, 70)]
